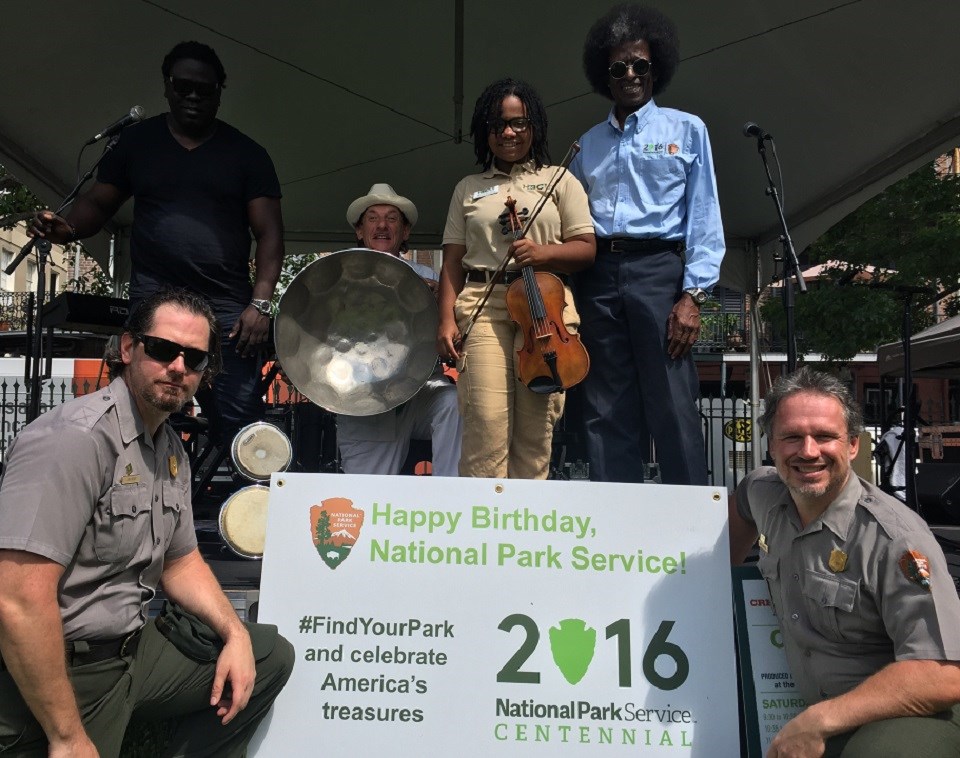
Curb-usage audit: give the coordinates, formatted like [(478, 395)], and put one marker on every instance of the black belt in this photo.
[(83, 652), (481, 275), (631, 246)]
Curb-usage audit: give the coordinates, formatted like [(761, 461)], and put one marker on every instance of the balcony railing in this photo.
[(13, 310)]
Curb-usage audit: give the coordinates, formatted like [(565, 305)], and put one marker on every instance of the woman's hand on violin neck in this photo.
[(448, 337), (526, 252)]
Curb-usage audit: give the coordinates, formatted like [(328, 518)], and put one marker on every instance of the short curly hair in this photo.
[(630, 23), (140, 321), (488, 108), (194, 51)]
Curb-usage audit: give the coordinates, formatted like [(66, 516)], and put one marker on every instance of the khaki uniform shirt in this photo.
[(845, 618), (477, 204), (87, 487)]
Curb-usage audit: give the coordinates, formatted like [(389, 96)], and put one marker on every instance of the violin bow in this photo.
[(499, 271)]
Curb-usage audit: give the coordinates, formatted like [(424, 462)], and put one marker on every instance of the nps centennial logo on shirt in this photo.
[(335, 528), (653, 148)]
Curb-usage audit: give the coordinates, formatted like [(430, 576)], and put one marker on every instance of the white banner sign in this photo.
[(477, 617)]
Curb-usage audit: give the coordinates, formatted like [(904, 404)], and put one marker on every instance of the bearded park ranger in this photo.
[(379, 444), (869, 614), (95, 513)]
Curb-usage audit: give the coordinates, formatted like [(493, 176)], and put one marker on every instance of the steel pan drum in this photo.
[(356, 332), (243, 521), (260, 449)]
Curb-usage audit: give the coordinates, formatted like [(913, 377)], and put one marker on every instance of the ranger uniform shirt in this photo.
[(88, 488), (475, 218), (846, 589)]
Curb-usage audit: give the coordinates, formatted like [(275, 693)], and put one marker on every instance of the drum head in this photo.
[(259, 450), (243, 521), (356, 332)]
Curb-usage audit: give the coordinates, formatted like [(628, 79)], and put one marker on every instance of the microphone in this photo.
[(751, 129), (135, 115)]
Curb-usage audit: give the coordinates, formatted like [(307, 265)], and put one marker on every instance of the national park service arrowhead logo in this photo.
[(335, 528), (572, 643)]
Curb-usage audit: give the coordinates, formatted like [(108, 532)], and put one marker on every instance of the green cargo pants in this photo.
[(936, 736), (155, 684)]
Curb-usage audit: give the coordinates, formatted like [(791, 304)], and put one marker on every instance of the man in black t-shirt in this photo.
[(199, 188)]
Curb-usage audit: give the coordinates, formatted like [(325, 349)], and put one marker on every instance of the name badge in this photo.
[(483, 193)]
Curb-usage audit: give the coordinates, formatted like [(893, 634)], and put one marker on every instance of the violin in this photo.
[(551, 359)]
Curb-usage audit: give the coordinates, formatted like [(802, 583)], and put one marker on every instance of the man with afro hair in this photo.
[(648, 173)]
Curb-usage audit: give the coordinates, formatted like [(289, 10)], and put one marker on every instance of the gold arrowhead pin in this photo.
[(172, 462), (762, 542)]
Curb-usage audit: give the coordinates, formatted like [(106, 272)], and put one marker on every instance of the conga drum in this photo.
[(259, 450), (243, 521)]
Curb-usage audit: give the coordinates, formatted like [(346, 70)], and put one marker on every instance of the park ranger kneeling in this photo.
[(870, 617), (95, 513)]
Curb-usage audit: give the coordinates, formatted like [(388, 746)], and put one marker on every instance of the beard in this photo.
[(164, 399), (833, 484)]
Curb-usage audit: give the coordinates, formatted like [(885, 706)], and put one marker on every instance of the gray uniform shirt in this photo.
[(87, 487), (845, 619)]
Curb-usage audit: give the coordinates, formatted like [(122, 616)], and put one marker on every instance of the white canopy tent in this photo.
[(856, 92), (934, 352)]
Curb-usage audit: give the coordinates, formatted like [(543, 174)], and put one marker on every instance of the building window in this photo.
[(6, 258), (31, 276), (54, 283)]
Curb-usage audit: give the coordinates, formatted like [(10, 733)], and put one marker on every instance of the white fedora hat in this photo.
[(381, 194)]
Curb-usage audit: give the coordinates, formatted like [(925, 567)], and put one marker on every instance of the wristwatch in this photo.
[(699, 296), (263, 306)]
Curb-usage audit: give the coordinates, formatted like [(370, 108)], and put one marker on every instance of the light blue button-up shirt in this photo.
[(654, 179)]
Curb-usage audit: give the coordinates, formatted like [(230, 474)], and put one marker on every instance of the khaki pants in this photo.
[(507, 429), (155, 684)]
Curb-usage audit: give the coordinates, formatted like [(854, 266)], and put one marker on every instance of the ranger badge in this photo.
[(838, 561)]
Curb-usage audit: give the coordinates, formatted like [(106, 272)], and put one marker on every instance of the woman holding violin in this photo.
[(508, 424)]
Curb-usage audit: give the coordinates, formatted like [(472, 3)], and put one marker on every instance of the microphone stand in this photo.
[(32, 375), (791, 267), (908, 438)]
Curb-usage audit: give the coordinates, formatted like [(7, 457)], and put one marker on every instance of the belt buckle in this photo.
[(127, 640)]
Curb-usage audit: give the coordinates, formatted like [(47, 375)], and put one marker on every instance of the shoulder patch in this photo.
[(916, 568)]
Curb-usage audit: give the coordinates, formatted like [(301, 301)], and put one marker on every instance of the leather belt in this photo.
[(484, 276), (82, 652), (631, 246)]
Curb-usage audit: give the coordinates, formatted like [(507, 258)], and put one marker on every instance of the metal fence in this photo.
[(727, 425)]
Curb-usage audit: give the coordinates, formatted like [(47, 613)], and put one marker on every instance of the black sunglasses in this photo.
[(183, 87), (519, 124), (166, 351), (618, 69)]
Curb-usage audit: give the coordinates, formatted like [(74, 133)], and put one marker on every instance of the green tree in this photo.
[(323, 529), (18, 203), (911, 230)]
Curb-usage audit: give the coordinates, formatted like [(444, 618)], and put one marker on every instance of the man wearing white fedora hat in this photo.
[(379, 444)]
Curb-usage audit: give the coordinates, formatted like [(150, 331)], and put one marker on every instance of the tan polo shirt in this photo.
[(476, 215), (847, 617), (87, 487)]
